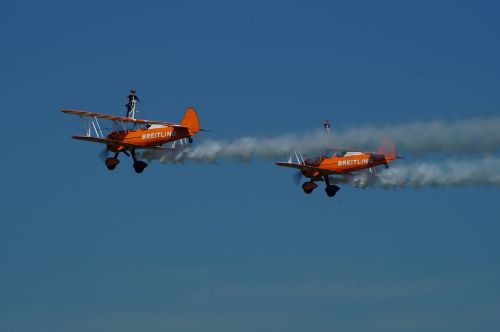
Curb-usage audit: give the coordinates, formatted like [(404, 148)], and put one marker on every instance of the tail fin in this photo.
[(388, 149), (191, 121)]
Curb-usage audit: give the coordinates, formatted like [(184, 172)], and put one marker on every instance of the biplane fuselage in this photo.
[(344, 163), (340, 163), (130, 134), (147, 137)]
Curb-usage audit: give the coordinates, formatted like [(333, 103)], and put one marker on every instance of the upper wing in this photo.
[(117, 143), (118, 118), (303, 167)]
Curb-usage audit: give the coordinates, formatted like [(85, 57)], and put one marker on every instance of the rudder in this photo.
[(191, 120), (388, 149)]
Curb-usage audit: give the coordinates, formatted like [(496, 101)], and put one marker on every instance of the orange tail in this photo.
[(191, 121), (388, 149)]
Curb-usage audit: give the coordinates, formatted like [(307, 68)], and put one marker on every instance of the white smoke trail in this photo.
[(469, 136), (444, 173), (466, 136)]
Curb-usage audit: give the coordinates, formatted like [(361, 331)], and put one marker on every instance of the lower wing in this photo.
[(117, 143), (303, 167)]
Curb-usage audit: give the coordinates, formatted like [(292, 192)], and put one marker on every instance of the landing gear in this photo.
[(190, 139), (308, 187), (139, 165), (111, 163), (330, 189)]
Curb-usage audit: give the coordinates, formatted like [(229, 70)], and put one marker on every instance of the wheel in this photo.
[(331, 190), (139, 166), (308, 187), (111, 163), (190, 139)]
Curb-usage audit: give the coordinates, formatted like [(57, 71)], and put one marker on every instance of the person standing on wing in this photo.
[(132, 101), (326, 125)]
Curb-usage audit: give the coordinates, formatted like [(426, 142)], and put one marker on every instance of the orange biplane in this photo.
[(129, 134), (339, 162)]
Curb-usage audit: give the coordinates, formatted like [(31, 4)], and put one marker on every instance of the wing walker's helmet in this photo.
[(132, 91)]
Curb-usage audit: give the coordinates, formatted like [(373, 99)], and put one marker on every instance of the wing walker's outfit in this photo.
[(132, 101), (326, 125)]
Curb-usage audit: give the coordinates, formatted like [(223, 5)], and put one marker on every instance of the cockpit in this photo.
[(140, 126), (313, 161), (334, 153)]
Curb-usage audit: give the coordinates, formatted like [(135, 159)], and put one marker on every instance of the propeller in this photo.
[(104, 154), (297, 177)]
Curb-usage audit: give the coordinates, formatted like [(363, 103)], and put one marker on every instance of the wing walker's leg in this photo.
[(139, 165), (131, 109)]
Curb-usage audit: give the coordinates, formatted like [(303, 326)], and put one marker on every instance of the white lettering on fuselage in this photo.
[(353, 162), (160, 134)]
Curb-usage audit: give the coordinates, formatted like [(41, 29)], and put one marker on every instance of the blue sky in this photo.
[(236, 246)]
